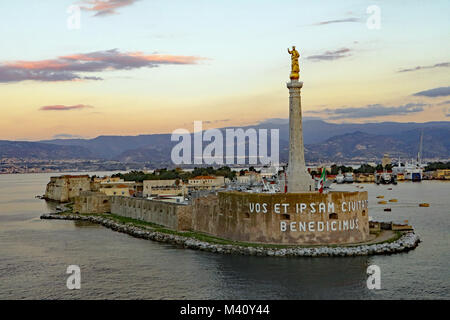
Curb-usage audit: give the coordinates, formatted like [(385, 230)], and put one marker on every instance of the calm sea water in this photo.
[(34, 255)]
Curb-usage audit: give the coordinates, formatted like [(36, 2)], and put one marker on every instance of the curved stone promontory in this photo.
[(406, 242)]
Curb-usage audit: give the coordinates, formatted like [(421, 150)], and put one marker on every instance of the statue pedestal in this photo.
[(299, 180)]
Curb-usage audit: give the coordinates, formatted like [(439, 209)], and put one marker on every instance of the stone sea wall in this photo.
[(407, 242), (170, 215)]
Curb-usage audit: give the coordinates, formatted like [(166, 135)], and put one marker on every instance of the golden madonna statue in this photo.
[(295, 68)]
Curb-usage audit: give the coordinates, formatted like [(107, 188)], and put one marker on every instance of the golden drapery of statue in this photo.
[(295, 68)]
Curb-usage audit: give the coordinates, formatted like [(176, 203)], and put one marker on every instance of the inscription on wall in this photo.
[(315, 208)]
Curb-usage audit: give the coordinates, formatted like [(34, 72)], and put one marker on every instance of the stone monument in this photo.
[(298, 180)]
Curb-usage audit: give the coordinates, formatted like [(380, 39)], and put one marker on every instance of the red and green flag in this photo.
[(322, 179)]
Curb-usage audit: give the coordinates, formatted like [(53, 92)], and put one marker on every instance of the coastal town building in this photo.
[(108, 179), (441, 174), (205, 183), (386, 160), (163, 187), (249, 177), (269, 171), (119, 188)]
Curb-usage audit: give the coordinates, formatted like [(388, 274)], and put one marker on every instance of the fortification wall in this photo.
[(291, 218), (66, 188), (171, 215), (92, 202)]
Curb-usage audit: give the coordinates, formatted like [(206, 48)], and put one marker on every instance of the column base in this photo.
[(300, 181)]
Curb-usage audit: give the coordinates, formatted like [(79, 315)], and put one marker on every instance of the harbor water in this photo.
[(35, 254)]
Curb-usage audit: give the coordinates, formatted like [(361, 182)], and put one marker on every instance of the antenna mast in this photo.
[(419, 154)]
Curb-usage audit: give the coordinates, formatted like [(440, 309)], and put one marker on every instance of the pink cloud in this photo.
[(64, 108), (105, 7), (72, 67)]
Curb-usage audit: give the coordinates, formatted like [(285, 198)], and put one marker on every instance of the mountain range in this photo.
[(323, 142), (43, 151)]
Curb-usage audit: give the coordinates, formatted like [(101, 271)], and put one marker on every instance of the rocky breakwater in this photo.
[(406, 242)]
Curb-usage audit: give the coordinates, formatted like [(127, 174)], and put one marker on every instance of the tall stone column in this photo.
[(299, 180)]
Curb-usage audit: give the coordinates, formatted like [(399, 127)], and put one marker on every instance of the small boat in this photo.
[(387, 209), (382, 202), (384, 177), (426, 205), (401, 227), (348, 177), (380, 197), (393, 200), (340, 178), (389, 188)]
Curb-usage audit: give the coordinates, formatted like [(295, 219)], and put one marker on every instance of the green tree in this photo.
[(437, 166), (365, 168), (334, 169)]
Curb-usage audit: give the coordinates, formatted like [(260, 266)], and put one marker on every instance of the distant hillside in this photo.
[(355, 146), (323, 142), (157, 154), (36, 150), (111, 147), (315, 132), (360, 146)]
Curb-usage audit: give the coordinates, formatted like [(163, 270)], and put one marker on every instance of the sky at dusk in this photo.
[(149, 66)]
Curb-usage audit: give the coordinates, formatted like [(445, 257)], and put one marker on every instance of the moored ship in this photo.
[(385, 177), (413, 172), (348, 177), (340, 178)]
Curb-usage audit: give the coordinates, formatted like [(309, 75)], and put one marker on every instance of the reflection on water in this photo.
[(34, 255), (293, 278), (86, 224)]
